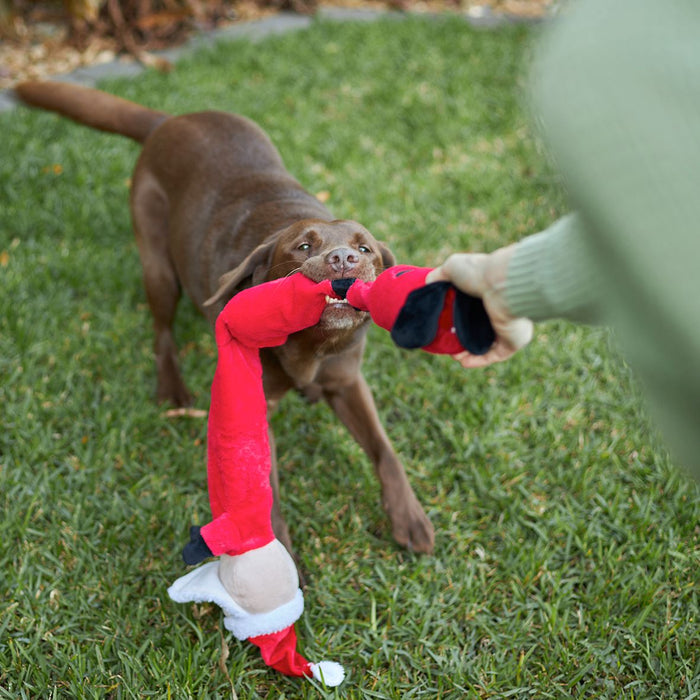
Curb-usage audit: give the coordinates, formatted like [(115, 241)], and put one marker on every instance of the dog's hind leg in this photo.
[(149, 208)]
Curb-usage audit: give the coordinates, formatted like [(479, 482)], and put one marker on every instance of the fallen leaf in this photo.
[(56, 169), (185, 412), (224, 653)]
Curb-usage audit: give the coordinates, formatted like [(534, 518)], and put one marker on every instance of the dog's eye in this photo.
[(304, 246), (364, 249)]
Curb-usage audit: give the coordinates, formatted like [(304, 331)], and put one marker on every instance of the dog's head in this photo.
[(320, 250)]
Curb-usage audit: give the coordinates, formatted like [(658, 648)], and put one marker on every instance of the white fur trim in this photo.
[(329, 673), (266, 623), (202, 585)]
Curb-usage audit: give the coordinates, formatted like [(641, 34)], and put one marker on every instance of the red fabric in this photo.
[(278, 650), (385, 297), (446, 342), (238, 468)]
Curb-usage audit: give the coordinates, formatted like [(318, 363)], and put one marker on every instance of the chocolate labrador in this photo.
[(214, 211)]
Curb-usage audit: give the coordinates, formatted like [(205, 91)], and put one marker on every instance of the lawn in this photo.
[(568, 545)]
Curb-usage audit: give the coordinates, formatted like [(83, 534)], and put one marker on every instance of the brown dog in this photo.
[(215, 211)]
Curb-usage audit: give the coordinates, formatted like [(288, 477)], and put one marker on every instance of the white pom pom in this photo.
[(329, 673)]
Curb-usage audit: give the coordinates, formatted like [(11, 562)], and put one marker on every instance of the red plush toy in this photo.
[(436, 317), (254, 579)]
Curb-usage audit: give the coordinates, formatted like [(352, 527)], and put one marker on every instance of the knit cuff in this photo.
[(551, 275)]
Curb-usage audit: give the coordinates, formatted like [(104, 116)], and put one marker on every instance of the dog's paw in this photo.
[(411, 527)]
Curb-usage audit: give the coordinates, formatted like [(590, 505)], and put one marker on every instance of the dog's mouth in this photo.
[(339, 314)]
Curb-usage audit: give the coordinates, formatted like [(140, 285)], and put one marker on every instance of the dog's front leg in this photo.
[(354, 405)]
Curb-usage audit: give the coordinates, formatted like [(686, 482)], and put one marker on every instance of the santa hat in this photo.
[(272, 631), (254, 580)]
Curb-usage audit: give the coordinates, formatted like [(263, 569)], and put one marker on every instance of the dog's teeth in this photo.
[(331, 300)]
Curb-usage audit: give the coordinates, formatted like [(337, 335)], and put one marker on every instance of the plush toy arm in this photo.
[(238, 466), (386, 295), (265, 315), (238, 461)]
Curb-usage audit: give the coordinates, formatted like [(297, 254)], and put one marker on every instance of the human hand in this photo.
[(484, 276)]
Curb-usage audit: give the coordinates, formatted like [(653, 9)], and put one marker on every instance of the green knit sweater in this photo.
[(617, 90)]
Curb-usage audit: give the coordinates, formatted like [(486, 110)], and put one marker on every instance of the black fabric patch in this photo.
[(341, 286), (417, 323), (472, 324), (196, 549)]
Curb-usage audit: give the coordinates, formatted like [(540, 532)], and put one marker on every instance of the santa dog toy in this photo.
[(253, 578)]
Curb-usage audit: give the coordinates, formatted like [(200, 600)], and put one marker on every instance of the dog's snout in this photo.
[(342, 260)]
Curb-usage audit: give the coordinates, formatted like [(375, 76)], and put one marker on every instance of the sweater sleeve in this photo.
[(553, 274)]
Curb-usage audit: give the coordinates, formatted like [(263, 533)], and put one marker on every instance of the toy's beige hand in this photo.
[(484, 276), (261, 579)]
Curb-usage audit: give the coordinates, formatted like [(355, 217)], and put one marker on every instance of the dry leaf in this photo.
[(186, 412), (156, 20), (224, 653)]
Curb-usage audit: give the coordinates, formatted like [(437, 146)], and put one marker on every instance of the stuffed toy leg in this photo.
[(254, 580)]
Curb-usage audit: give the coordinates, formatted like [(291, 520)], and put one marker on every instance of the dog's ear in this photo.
[(388, 259), (255, 267)]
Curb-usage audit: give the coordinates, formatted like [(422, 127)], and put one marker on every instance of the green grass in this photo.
[(566, 562)]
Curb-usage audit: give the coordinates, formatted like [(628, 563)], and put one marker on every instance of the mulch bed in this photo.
[(41, 43)]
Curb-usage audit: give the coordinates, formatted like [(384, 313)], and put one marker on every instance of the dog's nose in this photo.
[(342, 260)]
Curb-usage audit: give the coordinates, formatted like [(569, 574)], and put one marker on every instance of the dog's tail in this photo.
[(94, 108)]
